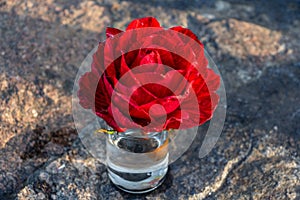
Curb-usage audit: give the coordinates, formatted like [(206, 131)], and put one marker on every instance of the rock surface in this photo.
[(256, 46)]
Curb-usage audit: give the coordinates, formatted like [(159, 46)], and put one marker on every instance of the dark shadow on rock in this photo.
[(27, 152), (178, 4), (264, 13), (53, 44), (271, 101)]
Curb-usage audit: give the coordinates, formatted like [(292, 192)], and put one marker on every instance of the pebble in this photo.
[(35, 113)]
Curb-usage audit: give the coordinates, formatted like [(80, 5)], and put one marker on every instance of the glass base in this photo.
[(138, 180), (137, 183), (144, 190)]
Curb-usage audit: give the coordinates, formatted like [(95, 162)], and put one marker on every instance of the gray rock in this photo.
[(256, 46)]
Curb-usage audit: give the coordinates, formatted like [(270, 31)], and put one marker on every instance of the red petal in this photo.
[(111, 32), (142, 23), (212, 81), (87, 88), (98, 60), (187, 32)]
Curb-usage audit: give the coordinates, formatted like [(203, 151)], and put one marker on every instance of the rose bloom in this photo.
[(132, 109)]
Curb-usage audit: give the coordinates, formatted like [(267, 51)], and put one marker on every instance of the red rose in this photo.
[(134, 70)]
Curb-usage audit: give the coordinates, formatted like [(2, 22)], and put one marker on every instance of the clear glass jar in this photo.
[(137, 162)]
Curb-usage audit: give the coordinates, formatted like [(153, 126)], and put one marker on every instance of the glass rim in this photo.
[(128, 132)]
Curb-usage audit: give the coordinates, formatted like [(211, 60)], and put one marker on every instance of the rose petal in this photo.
[(213, 80), (150, 57), (142, 23), (111, 32), (98, 60), (187, 32), (87, 88)]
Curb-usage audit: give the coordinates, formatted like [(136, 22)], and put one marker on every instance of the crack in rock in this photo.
[(220, 180)]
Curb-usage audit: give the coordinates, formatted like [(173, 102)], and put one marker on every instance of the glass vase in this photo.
[(137, 162)]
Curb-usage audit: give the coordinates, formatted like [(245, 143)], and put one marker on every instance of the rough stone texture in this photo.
[(256, 46)]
